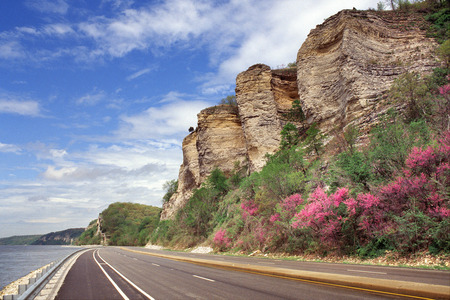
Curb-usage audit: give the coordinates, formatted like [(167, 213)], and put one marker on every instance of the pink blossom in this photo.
[(444, 90), (221, 240), (291, 202), (274, 218), (351, 206), (420, 160), (249, 208)]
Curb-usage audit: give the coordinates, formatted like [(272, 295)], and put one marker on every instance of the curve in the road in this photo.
[(86, 280)]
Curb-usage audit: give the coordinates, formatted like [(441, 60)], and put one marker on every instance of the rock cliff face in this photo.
[(259, 111), (346, 64), (188, 177), (218, 142), (344, 69), (226, 134)]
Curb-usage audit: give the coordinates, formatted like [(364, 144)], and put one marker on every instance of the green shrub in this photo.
[(440, 28), (376, 247), (289, 136), (357, 167), (391, 142), (170, 187), (314, 140)]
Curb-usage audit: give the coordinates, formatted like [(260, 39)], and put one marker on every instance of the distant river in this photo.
[(18, 261)]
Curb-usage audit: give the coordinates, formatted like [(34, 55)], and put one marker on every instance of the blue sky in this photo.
[(97, 95)]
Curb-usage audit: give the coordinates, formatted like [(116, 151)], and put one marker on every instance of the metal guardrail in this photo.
[(36, 284)]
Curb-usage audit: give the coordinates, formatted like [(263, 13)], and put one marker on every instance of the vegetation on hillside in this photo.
[(123, 224), (19, 239), (63, 237), (391, 194)]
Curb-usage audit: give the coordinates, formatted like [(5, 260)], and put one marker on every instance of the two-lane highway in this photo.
[(113, 273)]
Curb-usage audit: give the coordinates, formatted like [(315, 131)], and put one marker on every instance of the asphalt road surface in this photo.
[(429, 276), (113, 273)]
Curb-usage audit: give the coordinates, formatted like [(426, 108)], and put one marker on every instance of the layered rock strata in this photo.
[(346, 65), (259, 114), (218, 142), (227, 134)]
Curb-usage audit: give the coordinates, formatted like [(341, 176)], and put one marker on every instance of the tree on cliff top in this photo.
[(229, 100)]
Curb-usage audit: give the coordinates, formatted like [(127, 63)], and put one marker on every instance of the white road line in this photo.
[(128, 280), (367, 272), (110, 279), (156, 265), (207, 279)]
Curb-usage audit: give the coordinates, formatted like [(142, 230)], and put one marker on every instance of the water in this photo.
[(18, 261)]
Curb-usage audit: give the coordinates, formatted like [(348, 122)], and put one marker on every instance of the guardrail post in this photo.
[(22, 288)]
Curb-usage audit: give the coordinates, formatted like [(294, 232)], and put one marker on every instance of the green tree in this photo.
[(198, 212), (356, 167), (295, 113), (314, 139), (218, 181), (391, 142), (229, 100), (170, 187), (289, 136), (411, 88), (351, 134), (444, 53)]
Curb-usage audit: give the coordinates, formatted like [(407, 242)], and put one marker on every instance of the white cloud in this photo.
[(171, 119), (11, 49), (57, 174), (26, 108), (51, 220), (58, 29), (237, 34), (92, 98), (8, 148), (27, 30), (138, 74), (48, 6)]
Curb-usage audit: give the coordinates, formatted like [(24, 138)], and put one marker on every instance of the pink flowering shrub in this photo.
[(323, 215), (425, 182), (406, 213), (286, 209), (221, 241), (420, 196), (249, 208)]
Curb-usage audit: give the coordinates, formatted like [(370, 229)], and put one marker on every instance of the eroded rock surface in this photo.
[(346, 64), (188, 177), (258, 112)]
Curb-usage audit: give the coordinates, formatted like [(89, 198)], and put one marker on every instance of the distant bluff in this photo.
[(344, 69)]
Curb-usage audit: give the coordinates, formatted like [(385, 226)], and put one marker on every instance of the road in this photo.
[(429, 276), (114, 273)]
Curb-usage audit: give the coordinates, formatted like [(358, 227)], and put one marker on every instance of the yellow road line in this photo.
[(190, 260)]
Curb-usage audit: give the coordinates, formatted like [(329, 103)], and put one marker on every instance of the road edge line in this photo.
[(127, 280), (110, 279)]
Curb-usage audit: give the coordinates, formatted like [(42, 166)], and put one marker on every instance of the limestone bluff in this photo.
[(344, 68)]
